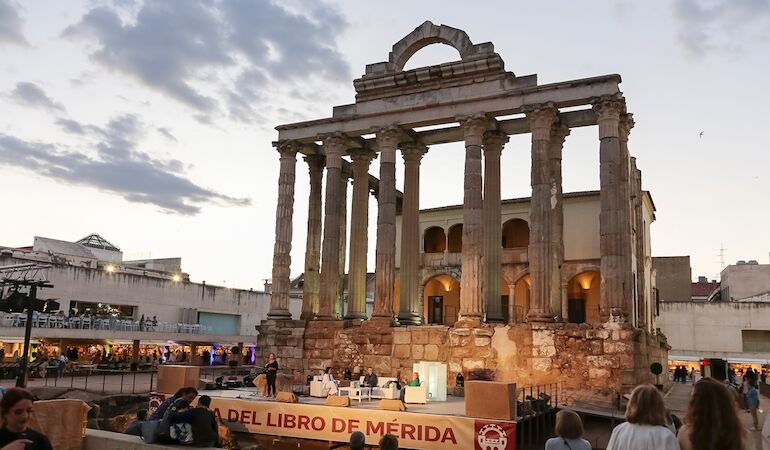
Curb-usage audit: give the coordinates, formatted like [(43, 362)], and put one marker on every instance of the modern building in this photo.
[(730, 323), (673, 278), (104, 299)]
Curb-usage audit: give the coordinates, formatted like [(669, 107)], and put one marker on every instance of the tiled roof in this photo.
[(701, 289)]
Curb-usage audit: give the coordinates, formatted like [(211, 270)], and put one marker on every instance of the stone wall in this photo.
[(591, 361)]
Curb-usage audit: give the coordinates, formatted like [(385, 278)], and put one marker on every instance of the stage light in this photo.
[(176, 278), (109, 268)]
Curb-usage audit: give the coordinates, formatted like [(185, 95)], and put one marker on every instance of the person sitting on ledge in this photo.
[(135, 427), (370, 379), (328, 383)]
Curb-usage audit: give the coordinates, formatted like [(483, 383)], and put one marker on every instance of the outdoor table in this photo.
[(356, 393)]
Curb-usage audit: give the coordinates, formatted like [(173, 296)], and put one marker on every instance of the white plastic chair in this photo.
[(85, 322)]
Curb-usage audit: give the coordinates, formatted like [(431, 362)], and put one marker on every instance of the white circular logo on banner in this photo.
[(492, 437)]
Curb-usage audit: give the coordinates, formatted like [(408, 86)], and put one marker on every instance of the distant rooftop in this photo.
[(56, 246), (93, 240)]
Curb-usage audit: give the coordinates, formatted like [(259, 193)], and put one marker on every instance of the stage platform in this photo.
[(433, 426)]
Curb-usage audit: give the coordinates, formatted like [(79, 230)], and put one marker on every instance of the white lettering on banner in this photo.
[(414, 430)]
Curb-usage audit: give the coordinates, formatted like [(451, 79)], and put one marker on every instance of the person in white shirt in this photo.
[(328, 383), (645, 426)]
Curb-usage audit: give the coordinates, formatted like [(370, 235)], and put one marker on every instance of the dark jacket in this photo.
[(203, 423), (158, 413), (370, 380)]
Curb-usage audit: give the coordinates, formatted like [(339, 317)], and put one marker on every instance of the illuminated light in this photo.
[(585, 280), (176, 278), (109, 268)]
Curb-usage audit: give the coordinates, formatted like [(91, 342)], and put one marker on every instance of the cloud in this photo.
[(10, 24), (30, 94), (115, 165), (720, 25), (191, 50), (167, 134)]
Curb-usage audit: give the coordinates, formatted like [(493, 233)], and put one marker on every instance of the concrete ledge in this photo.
[(100, 440)]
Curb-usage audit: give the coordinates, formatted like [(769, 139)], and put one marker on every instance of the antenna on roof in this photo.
[(721, 255)]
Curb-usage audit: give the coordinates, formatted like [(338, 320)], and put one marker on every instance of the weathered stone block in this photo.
[(541, 364), (420, 336), (417, 351), (472, 364), (595, 347), (401, 337), (488, 332), (617, 347), (401, 351), (595, 373), (482, 341), (438, 337), (431, 352), (461, 352), (455, 366)]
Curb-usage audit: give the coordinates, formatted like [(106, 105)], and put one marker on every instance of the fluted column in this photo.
[(625, 124), (334, 146), (641, 276), (541, 119), (339, 299), (409, 313), (279, 300), (492, 231), (387, 141), (470, 281), (613, 220), (558, 134), (359, 224), (312, 282)]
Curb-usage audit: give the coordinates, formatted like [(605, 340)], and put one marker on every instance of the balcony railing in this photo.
[(450, 259), (54, 321)]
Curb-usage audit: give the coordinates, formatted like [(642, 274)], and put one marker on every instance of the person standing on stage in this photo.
[(272, 373)]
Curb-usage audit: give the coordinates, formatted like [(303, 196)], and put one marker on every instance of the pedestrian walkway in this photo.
[(678, 398)]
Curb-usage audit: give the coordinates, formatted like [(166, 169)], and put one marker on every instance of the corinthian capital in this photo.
[(494, 141), (541, 118), (608, 107), (362, 156), (625, 125), (559, 132), (473, 127), (288, 148), (413, 151), (388, 137)]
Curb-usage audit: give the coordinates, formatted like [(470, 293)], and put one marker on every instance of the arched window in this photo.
[(515, 233), (455, 238), (434, 240)]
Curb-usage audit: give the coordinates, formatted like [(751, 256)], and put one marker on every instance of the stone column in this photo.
[(541, 119), (334, 146), (470, 282), (613, 218), (312, 285), (387, 141), (492, 231), (279, 300), (339, 299), (359, 225), (625, 124), (511, 303), (408, 309), (641, 278), (558, 134), (564, 301)]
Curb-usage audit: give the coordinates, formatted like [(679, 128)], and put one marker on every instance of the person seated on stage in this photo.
[(388, 442), (370, 379), (357, 441), (329, 385), (415, 381)]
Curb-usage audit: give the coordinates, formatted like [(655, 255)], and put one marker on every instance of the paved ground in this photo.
[(679, 396)]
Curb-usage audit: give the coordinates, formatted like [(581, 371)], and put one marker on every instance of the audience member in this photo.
[(752, 402), (135, 427), (569, 429), (202, 421), (15, 411), (645, 426), (186, 393), (712, 421), (388, 442), (357, 441)]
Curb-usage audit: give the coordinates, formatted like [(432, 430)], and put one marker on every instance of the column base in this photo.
[(540, 317), (325, 318), (468, 322), (279, 314), (355, 316), (409, 318), (307, 316)]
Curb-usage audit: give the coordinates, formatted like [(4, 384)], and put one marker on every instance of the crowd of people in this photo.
[(711, 422)]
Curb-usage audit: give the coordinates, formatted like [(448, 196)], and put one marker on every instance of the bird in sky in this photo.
[(700, 135)]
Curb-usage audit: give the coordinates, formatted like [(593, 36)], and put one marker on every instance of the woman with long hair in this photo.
[(16, 410), (712, 421), (645, 426), (569, 429), (272, 373)]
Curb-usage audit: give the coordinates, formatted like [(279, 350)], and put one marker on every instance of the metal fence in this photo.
[(536, 408)]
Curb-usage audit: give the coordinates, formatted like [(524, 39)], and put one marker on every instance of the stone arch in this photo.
[(440, 295), (455, 238), (434, 240), (515, 233), (427, 34), (433, 272), (570, 270)]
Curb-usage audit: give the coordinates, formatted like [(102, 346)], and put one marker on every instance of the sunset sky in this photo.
[(151, 122)]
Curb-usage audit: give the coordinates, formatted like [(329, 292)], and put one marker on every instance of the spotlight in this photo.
[(176, 278), (109, 268)]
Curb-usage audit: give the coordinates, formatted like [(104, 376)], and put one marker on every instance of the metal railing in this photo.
[(55, 321), (536, 408)]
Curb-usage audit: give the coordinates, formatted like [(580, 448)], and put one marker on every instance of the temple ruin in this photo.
[(480, 104)]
